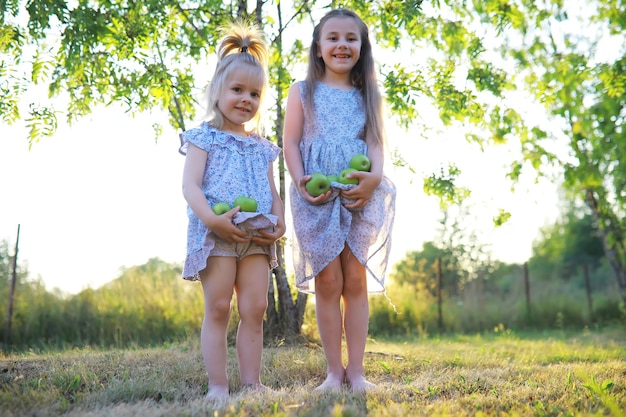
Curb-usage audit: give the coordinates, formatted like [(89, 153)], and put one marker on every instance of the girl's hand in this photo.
[(362, 193), (267, 238), (223, 227), (320, 199)]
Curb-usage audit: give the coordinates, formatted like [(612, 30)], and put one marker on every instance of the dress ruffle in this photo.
[(253, 222), (206, 136)]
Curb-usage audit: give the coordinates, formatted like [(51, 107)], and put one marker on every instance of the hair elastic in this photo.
[(244, 49)]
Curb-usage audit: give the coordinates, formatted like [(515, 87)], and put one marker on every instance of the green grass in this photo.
[(502, 373)]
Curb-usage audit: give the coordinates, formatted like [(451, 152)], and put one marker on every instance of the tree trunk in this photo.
[(284, 315), (611, 246)]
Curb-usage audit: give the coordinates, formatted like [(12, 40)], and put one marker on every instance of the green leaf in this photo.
[(502, 217)]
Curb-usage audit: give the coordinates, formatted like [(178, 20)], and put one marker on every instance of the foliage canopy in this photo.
[(473, 62)]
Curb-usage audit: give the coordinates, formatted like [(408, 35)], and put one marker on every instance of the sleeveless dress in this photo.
[(320, 231), (236, 165)]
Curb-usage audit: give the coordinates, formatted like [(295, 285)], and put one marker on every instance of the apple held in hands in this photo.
[(248, 204), (360, 162), (221, 207), (318, 184), (344, 179)]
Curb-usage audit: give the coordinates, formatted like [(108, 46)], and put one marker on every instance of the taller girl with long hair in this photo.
[(342, 238)]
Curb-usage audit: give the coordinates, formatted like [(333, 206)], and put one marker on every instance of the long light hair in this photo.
[(362, 75), (242, 44)]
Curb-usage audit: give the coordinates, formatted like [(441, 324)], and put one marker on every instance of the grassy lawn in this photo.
[(502, 373)]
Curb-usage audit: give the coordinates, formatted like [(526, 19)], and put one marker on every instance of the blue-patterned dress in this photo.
[(236, 165), (320, 231)]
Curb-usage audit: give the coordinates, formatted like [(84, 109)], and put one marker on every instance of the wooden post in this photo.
[(527, 289), (588, 289), (439, 297), (12, 290), (479, 285)]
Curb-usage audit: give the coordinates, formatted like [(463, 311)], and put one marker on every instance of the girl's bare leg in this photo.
[(251, 286), (218, 280), (328, 288), (356, 318)]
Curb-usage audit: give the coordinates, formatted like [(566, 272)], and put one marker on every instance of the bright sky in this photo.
[(102, 195)]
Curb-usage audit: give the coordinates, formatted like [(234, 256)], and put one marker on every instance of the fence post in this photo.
[(12, 290), (527, 289), (588, 289), (439, 297), (479, 286)]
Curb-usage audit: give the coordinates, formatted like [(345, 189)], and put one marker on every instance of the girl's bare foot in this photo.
[(331, 383), (256, 387), (360, 384), (217, 393)]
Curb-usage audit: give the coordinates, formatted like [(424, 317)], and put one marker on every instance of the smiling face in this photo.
[(339, 45), (239, 98)]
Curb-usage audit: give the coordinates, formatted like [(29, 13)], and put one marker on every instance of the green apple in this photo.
[(318, 184), (360, 162), (221, 207), (332, 178), (343, 176), (245, 203)]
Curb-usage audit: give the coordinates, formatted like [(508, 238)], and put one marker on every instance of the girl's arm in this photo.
[(193, 172), (368, 181), (277, 210), (292, 135)]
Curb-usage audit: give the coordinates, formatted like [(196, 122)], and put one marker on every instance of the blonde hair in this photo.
[(241, 44), (363, 75)]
